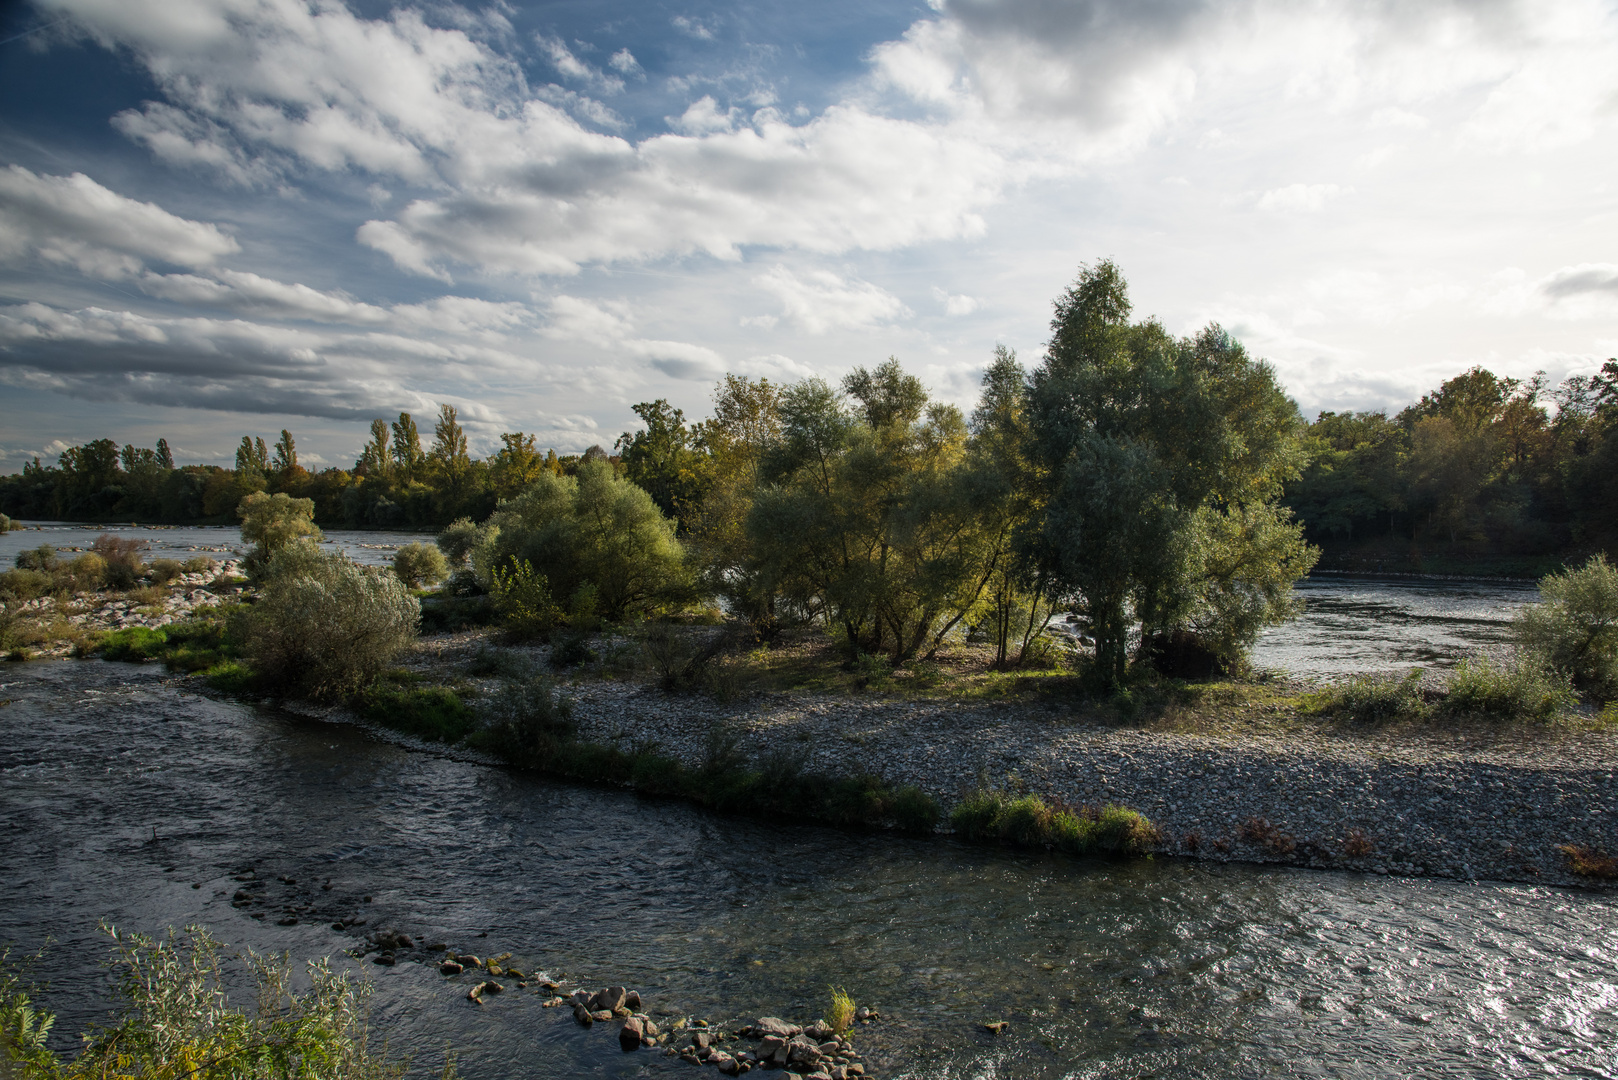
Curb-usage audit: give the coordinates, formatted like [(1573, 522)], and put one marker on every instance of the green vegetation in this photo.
[(420, 564), (324, 627), (1519, 686), (841, 1014), (271, 523), (1371, 699), (175, 1021), (434, 713), (1028, 821), (1574, 628)]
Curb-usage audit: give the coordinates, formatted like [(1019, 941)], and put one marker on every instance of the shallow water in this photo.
[(1162, 968), (183, 541), (1377, 624)]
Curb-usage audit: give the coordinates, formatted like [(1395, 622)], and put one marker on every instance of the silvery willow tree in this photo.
[(1162, 460)]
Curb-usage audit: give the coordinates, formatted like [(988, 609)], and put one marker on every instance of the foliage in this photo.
[(527, 722), (841, 1014), (522, 599), (121, 562), (596, 529), (323, 626), (1164, 458), (1028, 821), (1371, 699), (420, 564), (457, 540), (272, 522), (1518, 686), (134, 643), (1574, 627), (1590, 862), (434, 713), (176, 1022)]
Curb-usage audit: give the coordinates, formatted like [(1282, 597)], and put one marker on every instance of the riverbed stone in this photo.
[(631, 1034), (774, 1025)]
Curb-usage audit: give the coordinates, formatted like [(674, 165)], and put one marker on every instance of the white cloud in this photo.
[(608, 326), (624, 61), (1301, 198), (955, 304), (74, 221), (818, 300), (694, 27), (572, 67)]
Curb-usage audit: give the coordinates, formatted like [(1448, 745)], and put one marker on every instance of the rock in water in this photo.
[(450, 967), (629, 1036), (774, 1025), (632, 1000), (582, 1015), (724, 1062)]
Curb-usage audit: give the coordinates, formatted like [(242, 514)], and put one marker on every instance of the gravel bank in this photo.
[(1428, 805)]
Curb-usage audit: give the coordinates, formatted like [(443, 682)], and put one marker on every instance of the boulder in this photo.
[(774, 1025), (630, 1035), (726, 1064), (632, 1000), (450, 967), (701, 1040), (611, 998), (602, 1015), (582, 1015), (495, 969)]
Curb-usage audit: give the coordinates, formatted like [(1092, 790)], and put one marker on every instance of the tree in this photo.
[(449, 442), (165, 457), (271, 522), (376, 460), (253, 457), (1163, 459), (517, 464), (407, 453), (663, 459), (286, 455)]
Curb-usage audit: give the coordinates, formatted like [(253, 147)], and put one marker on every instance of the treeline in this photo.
[(397, 483), (1481, 467)]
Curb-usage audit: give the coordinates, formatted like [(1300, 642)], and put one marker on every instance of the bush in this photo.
[(528, 722), (325, 627), (597, 529), (420, 564), (88, 572), (134, 644), (163, 571), (435, 713), (176, 1021), (457, 541), (1575, 625), (1371, 699), (199, 564), (41, 558), (1027, 821), (123, 565), (274, 522), (522, 599), (571, 651), (1520, 686), (26, 584)]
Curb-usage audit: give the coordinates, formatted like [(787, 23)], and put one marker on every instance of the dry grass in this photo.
[(1590, 862), (841, 1015)]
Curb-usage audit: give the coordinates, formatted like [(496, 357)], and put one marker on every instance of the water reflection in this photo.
[(1103, 969)]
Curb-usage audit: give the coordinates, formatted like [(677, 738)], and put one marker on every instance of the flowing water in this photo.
[(183, 541), (119, 792)]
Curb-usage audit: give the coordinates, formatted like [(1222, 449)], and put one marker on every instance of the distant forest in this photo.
[(1484, 473)]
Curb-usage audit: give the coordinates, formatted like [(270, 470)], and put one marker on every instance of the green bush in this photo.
[(23, 585), (42, 558), (163, 571), (175, 1021), (88, 572), (324, 627), (420, 564), (522, 599), (271, 523), (528, 722), (123, 566), (1028, 821), (1520, 686), (597, 529), (1371, 699), (199, 564), (1575, 625), (457, 541), (134, 644), (435, 713)]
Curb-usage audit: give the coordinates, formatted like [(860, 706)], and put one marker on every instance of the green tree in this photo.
[(271, 522), (664, 460), (1163, 458), (746, 422), (408, 456), (285, 460), (165, 457), (253, 457), (516, 465), (376, 460)]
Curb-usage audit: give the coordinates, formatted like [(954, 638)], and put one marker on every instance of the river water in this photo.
[(1148, 968), (183, 541)]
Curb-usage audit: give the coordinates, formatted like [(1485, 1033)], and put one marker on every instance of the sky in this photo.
[(229, 217)]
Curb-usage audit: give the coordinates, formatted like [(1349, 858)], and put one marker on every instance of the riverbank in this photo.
[(1260, 783)]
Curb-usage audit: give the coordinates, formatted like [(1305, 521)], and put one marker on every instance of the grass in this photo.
[(841, 1014), (434, 713), (174, 1020), (1028, 821), (1516, 688), (1590, 862)]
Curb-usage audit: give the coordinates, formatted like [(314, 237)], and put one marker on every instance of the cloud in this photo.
[(74, 221), (624, 61), (608, 326), (572, 67), (819, 301), (954, 304), (693, 27), (1301, 198), (1586, 279)]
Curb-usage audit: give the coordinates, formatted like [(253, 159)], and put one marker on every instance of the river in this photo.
[(183, 541), (1103, 969)]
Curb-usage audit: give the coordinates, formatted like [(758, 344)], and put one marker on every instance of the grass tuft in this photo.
[(435, 713), (841, 1014), (1028, 821), (1590, 862)]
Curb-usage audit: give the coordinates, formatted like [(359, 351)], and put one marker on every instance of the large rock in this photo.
[(774, 1025), (802, 1050), (632, 1001), (450, 967), (630, 1035), (582, 1015), (609, 999), (724, 1063)]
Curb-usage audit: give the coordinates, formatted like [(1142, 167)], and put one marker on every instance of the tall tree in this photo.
[(408, 456), (663, 459), (376, 460), (286, 455), (1164, 458), (517, 464), (165, 456), (252, 457)]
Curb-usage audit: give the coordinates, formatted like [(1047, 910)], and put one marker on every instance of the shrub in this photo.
[(420, 564), (26, 584), (199, 564), (528, 722), (435, 713), (89, 571), (841, 1014), (134, 644), (176, 1021), (571, 651), (1027, 821), (522, 599), (122, 555), (1371, 699), (598, 529), (41, 558), (1575, 625), (1520, 686), (271, 523), (324, 626), (163, 571), (1590, 862), (457, 541)]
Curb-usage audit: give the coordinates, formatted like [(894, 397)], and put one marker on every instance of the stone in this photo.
[(996, 1028), (726, 1064), (830, 1048), (802, 1049), (495, 969), (471, 961), (450, 967), (602, 1015), (774, 1025), (771, 1046), (385, 959), (630, 1035), (649, 1027), (632, 1000), (701, 1040), (611, 998), (582, 1015)]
